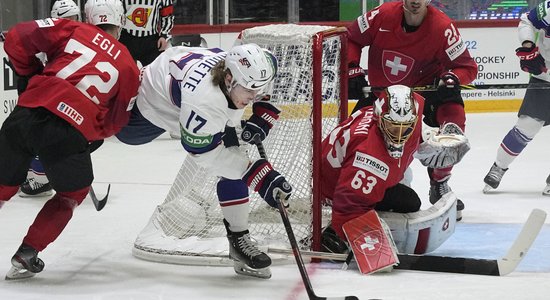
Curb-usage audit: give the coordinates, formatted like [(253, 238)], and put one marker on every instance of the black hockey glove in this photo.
[(262, 178), (448, 88), (264, 115), (356, 82), (530, 60)]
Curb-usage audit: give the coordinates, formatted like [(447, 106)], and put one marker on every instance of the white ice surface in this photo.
[(92, 258)]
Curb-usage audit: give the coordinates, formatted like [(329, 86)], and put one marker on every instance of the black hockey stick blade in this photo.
[(99, 203), (461, 265), (494, 267), (294, 244)]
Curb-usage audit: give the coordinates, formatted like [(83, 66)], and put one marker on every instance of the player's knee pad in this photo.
[(232, 192)]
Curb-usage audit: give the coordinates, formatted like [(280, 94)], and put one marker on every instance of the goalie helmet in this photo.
[(251, 66), (105, 12), (397, 117), (64, 9)]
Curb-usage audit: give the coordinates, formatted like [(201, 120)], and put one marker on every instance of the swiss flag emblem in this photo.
[(396, 65), (371, 248), (368, 243)]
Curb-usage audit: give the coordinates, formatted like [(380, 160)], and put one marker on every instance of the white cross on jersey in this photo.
[(396, 66), (369, 243)]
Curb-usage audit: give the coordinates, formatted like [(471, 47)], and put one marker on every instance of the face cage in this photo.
[(396, 134)]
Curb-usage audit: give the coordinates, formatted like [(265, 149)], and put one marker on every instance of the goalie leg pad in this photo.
[(371, 243), (423, 231)]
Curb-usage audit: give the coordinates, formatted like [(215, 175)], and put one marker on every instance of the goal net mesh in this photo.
[(188, 228)]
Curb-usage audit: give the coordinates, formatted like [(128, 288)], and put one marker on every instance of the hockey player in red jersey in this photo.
[(415, 44), (368, 154), (84, 93), (364, 161)]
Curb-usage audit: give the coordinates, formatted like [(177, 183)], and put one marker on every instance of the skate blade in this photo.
[(546, 191), (18, 273), (243, 269), (487, 189), (43, 194)]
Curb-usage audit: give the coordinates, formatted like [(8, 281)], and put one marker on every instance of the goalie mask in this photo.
[(251, 66), (397, 117)]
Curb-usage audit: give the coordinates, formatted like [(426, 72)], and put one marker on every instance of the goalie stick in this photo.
[(294, 245), (99, 203), (463, 265)]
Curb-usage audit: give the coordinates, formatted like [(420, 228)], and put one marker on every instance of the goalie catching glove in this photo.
[(270, 184), (443, 148), (264, 115)]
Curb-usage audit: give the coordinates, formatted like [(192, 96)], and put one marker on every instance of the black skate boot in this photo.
[(438, 189), (249, 260), (493, 178), (31, 188), (25, 263)]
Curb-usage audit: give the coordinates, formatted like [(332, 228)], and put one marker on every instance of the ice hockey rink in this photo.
[(92, 258)]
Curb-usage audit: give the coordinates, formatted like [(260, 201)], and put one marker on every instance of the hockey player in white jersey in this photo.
[(534, 113), (200, 92)]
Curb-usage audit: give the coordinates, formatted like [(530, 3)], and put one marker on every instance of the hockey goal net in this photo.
[(311, 89)]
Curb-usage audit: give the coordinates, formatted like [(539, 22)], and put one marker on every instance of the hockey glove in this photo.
[(448, 88), (530, 60), (356, 82), (264, 115), (443, 148), (270, 184)]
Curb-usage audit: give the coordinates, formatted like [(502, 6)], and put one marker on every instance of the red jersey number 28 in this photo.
[(87, 81)]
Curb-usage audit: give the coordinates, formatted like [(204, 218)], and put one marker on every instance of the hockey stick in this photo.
[(461, 265), (432, 88), (294, 244), (99, 204)]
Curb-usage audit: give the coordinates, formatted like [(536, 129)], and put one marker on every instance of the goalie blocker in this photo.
[(375, 238)]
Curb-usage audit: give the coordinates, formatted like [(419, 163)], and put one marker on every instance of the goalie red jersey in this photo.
[(359, 165), (89, 81), (410, 58)]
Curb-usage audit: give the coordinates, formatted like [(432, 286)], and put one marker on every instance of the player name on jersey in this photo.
[(106, 45)]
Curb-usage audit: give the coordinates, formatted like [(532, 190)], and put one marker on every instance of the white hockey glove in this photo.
[(443, 148)]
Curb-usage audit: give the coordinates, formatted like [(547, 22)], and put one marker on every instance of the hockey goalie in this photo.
[(364, 164)]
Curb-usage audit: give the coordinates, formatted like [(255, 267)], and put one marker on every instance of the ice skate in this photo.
[(438, 189), (25, 264), (546, 191), (248, 259), (493, 178), (32, 188)]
